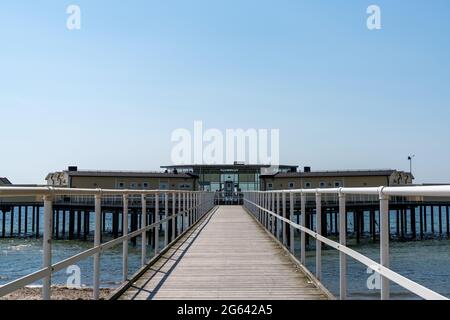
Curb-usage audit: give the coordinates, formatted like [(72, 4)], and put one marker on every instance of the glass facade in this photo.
[(227, 178)]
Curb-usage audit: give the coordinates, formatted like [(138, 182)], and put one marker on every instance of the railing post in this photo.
[(166, 215), (342, 241), (384, 242), (272, 198), (185, 223), (97, 240), (319, 231), (144, 224), (174, 219), (125, 242), (291, 218), (47, 245), (302, 233), (283, 197), (157, 223), (278, 213), (180, 217), (266, 215)]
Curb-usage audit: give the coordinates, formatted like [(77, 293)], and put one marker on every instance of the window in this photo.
[(337, 184), (163, 186), (270, 186), (185, 186), (323, 184), (133, 185), (145, 185), (291, 185), (121, 185), (307, 184)]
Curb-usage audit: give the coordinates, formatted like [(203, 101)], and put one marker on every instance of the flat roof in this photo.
[(225, 166), (344, 173), (134, 174)]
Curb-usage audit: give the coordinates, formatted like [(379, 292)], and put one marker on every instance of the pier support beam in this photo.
[(342, 241), (384, 243), (47, 246)]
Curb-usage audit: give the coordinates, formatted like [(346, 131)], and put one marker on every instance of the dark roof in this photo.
[(5, 181), (133, 174), (346, 173), (225, 166)]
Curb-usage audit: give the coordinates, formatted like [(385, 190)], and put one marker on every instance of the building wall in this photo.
[(149, 183), (279, 183)]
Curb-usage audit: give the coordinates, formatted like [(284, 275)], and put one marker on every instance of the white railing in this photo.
[(265, 206), (191, 206)]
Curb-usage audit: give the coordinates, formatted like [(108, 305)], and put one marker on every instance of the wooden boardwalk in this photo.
[(227, 255)]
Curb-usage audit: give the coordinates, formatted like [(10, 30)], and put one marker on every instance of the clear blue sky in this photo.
[(109, 95)]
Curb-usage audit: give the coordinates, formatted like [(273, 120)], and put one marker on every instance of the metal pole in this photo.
[(144, 234), (166, 215), (384, 243), (125, 242), (302, 234), (47, 245), (174, 220), (178, 218), (157, 223), (97, 241), (284, 216), (278, 213), (291, 217), (319, 231), (342, 241)]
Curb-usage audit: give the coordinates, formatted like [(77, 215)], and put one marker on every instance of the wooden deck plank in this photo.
[(226, 256)]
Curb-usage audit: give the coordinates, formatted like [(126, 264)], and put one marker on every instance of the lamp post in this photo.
[(410, 162)]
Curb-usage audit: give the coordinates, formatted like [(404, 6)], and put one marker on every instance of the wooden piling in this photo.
[(71, 223), (64, 223), (26, 220), (446, 220), (78, 224), (412, 211), (33, 219), (421, 221), (432, 220), (440, 221), (19, 222), (38, 211), (11, 220), (4, 223)]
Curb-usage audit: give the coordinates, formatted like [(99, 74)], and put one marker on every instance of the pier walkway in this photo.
[(227, 255)]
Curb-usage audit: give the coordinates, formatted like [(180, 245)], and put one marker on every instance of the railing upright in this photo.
[(144, 234), (283, 197), (47, 245), (97, 241), (174, 218), (303, 224), (166, 215), (384, 242), (291, 218), (319, 231), (342, 241), (125, 241), (156, 233)]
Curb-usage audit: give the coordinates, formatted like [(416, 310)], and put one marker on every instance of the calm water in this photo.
[(426, 262)]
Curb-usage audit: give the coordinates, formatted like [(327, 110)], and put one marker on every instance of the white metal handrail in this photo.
[(265, 206), (191, 205)]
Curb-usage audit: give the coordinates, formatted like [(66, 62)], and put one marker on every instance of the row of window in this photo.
[(307, 185), (145, 185)]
